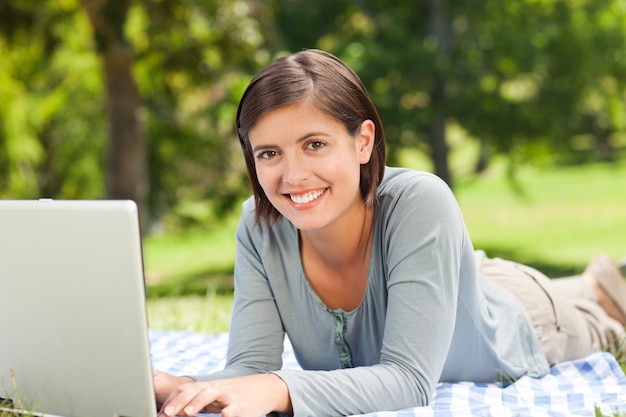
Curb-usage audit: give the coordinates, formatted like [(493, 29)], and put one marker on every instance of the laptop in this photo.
[(73, 326)]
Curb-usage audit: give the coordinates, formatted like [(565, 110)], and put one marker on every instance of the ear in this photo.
[(366, 138)]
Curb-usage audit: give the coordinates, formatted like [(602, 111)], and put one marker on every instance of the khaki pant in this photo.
[(569, 322)]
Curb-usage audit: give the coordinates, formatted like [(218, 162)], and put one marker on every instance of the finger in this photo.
[(179, 399), (207, 399), (230, 411)]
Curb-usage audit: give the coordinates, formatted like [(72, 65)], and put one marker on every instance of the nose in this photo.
[(295, 170)]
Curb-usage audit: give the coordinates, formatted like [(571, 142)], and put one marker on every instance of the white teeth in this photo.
[(306, 198)]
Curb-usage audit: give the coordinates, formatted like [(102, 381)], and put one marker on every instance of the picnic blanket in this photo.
[(575, 388)]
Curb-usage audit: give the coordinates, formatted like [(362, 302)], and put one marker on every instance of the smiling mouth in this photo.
[(306, 197)]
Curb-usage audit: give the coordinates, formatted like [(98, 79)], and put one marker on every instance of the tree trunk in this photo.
[(482, 161), (437, 136), (126, 153), (440, 30), (603, 146)]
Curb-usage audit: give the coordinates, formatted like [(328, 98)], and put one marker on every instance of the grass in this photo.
[(191, 262), (563, 217), (195, 313)]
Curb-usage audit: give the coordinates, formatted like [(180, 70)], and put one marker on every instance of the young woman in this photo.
[(370, 271)]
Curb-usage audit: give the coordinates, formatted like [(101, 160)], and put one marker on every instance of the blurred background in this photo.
[(520, 106)]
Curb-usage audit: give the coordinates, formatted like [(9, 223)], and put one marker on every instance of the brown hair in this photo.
[(330, 85)]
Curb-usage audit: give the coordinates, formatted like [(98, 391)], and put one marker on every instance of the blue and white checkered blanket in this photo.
[(575, 388)]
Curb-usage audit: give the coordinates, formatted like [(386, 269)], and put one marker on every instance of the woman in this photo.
[(370, 271)]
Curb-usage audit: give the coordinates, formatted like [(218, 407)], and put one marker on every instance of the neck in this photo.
[(344, 244)]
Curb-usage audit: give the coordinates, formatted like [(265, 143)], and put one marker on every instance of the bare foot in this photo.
[(605, 301)]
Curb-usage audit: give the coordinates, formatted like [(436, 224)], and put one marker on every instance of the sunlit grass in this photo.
[(194, 313), (173, 255), (563, 217)]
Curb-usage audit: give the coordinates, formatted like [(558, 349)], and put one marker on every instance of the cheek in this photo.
[(340, 171), (267, 181), (261, 176)]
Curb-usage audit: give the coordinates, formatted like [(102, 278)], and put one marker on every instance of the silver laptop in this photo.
[(73, 326)]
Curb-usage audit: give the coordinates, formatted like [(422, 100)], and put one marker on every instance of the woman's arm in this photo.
[(256, 339)]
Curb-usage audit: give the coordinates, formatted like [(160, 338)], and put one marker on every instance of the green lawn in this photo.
[(191, 262), (563, 218), (208, 313)]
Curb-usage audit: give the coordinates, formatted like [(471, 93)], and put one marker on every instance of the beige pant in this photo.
[(569, 322)]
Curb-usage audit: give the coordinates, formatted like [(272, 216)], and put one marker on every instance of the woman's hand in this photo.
[(248, 396), (164, 384)]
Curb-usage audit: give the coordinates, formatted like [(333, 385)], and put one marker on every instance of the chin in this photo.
[(306, 224)]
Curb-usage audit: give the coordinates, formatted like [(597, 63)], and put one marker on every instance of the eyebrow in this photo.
[(300, 139)]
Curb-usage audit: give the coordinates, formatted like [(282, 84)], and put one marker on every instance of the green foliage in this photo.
[(47, 146), (512, 74), (532, 80), (193, 60)]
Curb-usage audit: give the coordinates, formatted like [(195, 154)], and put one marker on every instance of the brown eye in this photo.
[(266, 155), (315, 145)]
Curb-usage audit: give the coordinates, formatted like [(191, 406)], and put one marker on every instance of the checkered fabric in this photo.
[(574, 388)]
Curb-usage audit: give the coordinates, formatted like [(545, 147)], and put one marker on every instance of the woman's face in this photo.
[(308, 164)]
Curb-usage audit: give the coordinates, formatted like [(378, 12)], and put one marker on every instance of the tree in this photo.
[(47, 147), (193, 60), (531, 68), (126, 165), (516, 75), (523, 77), (171, 73)]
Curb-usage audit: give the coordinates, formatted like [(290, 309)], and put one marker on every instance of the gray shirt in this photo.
[(427, 315)]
